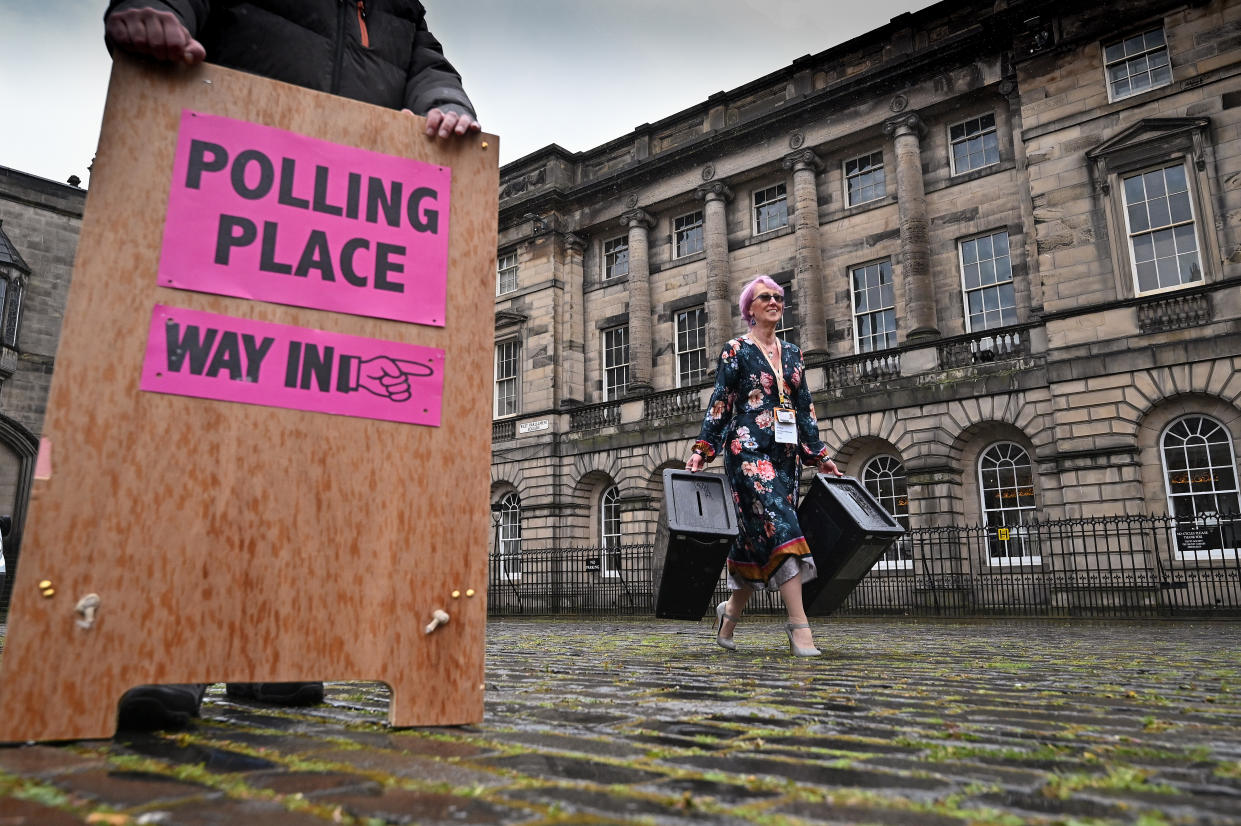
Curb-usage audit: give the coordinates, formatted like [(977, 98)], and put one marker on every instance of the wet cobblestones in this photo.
[(596, 722)]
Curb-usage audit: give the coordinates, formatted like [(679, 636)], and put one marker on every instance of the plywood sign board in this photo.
[(264, 455)]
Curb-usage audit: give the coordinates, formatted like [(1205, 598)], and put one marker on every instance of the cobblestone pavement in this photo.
[(597, 722)]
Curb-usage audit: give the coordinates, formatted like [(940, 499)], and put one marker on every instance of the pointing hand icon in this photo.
[(389, 377)]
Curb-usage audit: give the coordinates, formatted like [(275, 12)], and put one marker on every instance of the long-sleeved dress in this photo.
[(740, 423)]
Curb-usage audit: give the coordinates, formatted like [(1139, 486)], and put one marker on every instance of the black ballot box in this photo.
[(847, 531), (697, 525)]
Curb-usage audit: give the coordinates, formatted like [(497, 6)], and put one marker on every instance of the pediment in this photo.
[(508, 318), (1148, 132)]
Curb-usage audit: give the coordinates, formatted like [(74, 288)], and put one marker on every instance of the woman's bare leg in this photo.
[(736, 604), (790, 591)]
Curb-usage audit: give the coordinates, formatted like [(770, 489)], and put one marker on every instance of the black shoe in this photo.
[(150, 707), (280, 694)]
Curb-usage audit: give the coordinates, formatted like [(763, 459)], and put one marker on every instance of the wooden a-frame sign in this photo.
[(188, 532)]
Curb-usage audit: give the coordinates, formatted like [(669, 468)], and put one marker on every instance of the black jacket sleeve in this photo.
[(431, 80)]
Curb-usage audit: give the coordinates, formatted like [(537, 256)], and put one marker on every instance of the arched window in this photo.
[(510, 537), (1200, 473), (1006, 487), (610, 530), (884, 477)]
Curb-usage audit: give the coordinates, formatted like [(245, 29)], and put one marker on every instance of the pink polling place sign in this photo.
[(210, 356), (261, 213)]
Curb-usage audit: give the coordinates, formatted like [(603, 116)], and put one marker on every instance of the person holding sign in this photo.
[(379, 54), (762, 419), (388, 58)]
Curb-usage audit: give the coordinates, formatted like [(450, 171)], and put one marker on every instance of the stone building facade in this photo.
[(39, 225), (1010, 235)]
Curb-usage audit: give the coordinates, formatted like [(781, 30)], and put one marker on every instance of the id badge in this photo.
[(786, 426)]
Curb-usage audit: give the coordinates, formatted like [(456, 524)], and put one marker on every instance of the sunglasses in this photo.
[(769, 297)]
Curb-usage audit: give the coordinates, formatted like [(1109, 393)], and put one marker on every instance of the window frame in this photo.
[(610, 543), (682, 380), (995, 128), (854, 315), (1144, 145), (788, 329), (1022, 535), (509, 536), (607, 275), (756, 208), (680, 233), (515, 343), (846, 177), (1203, 521), (1130, 235), (965, 290), (900, 556), (610, 393), (1112, 97), (501, 272)]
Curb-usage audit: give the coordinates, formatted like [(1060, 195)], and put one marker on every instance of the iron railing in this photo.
[(1102, 567)]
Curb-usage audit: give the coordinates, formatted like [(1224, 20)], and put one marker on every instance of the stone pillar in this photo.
[(1012, 95), (641, 347), (808, 279), (716, 196), (571, 364), (907, 131)]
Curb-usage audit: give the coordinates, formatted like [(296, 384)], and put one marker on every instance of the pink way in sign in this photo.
[(261, 213), (211, 356)]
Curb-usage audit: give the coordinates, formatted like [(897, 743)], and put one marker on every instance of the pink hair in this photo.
[(747, 295)]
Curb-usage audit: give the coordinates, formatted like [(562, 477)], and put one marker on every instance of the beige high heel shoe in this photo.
[(795, 649), (721, 614)]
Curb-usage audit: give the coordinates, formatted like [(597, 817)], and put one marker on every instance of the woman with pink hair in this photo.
[(762, 419)]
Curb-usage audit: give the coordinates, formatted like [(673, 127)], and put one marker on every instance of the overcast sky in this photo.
[(573, 72)]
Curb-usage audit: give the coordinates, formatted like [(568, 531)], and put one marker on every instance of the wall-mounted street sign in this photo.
[(262, 392)]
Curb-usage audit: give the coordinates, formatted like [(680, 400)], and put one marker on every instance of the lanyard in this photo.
[(778, 370)]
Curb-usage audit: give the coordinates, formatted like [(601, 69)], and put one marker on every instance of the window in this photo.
[(1006, 483), (1159, 217), (616, 257), (786, 328), (1200, 472), (987, 282), (615, 362), (687, 234), (974, 144), (610, 531), (691, 346), (771, 209), (1137, 64), (884, 477), (508, 354), (506, 273), (874, 307), (864, 179), (509, 553)]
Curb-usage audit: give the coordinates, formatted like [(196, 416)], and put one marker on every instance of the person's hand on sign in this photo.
[(154, 33), (695, 463), (446, 124), (828, 468), (389, 377)]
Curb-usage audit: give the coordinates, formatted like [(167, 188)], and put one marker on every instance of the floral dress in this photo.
[(740, 422)]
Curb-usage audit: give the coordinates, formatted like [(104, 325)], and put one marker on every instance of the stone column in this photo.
[(907, 131), (719, 277), (641, 348), (571, 364), (808, 279)]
